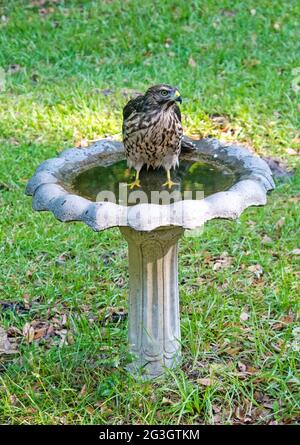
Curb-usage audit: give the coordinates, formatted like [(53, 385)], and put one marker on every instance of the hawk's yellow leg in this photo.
[(169, 183), (136, 182)]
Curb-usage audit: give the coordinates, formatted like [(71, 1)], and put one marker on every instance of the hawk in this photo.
[(152, 131)]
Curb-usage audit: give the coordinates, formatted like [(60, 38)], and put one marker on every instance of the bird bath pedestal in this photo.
[(69, 185)]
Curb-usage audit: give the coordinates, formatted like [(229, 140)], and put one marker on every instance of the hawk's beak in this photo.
[(177, 96)]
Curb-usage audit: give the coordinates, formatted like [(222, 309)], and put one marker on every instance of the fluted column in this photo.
[(154, 324)]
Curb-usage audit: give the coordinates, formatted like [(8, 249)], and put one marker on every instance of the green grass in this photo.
[(241, 66)]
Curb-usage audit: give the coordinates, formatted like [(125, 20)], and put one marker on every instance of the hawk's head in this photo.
[(162, 94)]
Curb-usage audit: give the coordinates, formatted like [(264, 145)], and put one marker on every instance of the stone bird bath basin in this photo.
[(220, 181)]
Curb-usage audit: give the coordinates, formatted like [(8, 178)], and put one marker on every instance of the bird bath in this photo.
[(215, 180)]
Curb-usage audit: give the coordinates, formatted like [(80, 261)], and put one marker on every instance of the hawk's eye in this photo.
[(164, 93)]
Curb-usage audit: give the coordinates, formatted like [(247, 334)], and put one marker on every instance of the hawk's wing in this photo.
[(135, 104)]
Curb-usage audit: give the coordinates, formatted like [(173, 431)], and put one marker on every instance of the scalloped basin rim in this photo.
[(255, 180)]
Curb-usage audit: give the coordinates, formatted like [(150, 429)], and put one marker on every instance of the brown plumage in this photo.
[(152, 130)]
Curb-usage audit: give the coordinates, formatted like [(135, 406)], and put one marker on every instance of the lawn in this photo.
[(67, 69)]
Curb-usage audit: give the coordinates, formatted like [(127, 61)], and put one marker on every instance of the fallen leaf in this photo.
[(41, 332), (280, 223), (192, 62), (256, 269), (228, 12), (29, 273), (26, 299), (166, 401), (31, 410), (283, 321), (232, 351), (13, 400), (266, 240), (83, 391), (205, 381), (90, 410), (242, 367), (82, 143), (6, 346), (28, 332), (291, 152), (104, 409), (223, 261), (244, 316), (114, 315), (295, 252), (294, 199), (12, 305), (216, 409), (12, 331)]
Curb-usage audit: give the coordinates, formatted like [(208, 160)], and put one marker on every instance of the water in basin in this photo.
[(192, 176)]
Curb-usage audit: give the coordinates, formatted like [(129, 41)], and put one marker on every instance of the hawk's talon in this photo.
[(169, 183), (135, 183)]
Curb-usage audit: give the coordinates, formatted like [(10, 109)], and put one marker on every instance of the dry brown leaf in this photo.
[(216, 408), (223, 261), (113, 314), (82, 143), (41, 332), (205, 381), (6, 346), (31, 410), (90, 410), (26, 299), (28, 332), (83, 391), (283, 321), (294, 199), (232, 351), (256, 269), (242, 367), (13, 400), (266, 240), (280, 223), (13, 331)]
